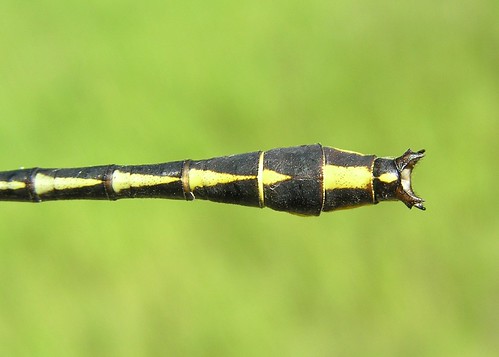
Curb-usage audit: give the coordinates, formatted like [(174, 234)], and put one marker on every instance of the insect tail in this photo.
[(405, 164)]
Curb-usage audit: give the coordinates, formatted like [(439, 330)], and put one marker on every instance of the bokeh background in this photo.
[(129, 82)]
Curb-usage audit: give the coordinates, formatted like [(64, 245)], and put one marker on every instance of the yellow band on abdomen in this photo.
[(346, 177)]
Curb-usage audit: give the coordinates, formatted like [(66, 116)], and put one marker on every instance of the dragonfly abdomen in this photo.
[(305, 180)]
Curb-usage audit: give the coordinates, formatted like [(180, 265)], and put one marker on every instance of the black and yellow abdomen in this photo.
[(305, 180)]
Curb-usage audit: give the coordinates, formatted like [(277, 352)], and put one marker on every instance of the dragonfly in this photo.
[(304, 180)]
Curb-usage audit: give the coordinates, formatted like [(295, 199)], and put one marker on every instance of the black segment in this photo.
[(171, 190), (243, 192), (95, 192), (302, 194), (347, 197), (21, 194), (385, 191)]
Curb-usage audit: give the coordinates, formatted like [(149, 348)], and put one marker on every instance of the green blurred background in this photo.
[(129, 82)]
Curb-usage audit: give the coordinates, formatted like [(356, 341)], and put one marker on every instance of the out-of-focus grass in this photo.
[(95, 82)]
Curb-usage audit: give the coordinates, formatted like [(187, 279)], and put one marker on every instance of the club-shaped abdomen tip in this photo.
[(392, 179)]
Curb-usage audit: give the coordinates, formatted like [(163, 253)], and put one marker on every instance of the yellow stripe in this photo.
[(12, 185), (388, 177), (67, 183), (271, 177), (125, 180), (204, 178), (44, 183), (261, 195), (346, 177)]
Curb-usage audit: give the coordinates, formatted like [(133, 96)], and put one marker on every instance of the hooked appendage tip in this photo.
[(405, 164)]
